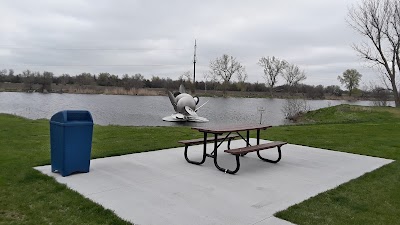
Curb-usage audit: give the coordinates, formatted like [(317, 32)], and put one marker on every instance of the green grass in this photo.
[(372, 199), (28, 197)]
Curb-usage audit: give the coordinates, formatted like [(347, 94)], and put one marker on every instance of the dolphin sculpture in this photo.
[(185, 107)]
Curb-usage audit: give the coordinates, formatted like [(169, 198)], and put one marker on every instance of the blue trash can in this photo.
[(71, 134)]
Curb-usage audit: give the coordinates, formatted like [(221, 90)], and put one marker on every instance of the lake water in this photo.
[(149, 110)]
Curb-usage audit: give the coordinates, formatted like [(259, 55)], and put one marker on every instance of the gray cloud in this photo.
[(156, 37)]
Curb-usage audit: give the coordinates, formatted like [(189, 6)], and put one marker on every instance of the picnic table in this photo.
[(227, 133)]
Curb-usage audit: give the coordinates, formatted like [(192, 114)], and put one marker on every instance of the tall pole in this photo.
[(194, 67)]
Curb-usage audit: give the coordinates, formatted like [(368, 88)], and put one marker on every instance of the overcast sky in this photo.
[(157, 37)]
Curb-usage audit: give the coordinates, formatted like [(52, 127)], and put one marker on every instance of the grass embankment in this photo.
[(28, 197), (372, 199)]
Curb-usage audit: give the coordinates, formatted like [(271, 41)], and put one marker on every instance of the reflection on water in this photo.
[(149, 110)]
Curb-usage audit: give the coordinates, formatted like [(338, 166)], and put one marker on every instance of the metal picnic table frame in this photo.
[(221, 130)]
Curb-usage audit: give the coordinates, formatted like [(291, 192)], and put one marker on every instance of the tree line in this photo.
[(46, 79)]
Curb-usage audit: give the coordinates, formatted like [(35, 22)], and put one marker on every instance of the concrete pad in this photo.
[(160, 187)]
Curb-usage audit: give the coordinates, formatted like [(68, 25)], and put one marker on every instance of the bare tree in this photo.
[(3, 75), (351, 79), (379, 22), (294, 108), (46, 79), (293, 76), (380, 95), (28, 78), (65, 79), (186, 76), (138, 80), (85, 79), (224, 68), (205, 75), (127, 82), (242, 77), (272, 68)]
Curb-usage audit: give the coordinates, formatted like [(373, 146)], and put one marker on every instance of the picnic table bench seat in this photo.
[(243, 151)]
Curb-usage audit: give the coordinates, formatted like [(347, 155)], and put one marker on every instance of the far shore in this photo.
[(110, 90)]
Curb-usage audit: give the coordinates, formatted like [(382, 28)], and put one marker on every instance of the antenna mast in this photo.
[(194, 66)]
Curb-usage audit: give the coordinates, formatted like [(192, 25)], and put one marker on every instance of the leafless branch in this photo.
[(379, 22)]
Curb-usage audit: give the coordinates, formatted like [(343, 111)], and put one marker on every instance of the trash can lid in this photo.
[(72, 116)]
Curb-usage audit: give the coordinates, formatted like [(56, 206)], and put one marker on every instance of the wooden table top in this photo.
[(231, 128)]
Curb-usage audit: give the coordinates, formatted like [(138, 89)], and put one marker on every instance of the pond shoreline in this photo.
[(110, 90)]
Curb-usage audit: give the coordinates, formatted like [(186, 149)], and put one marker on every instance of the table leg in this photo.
[(258, 136), (215, 152), (204, 152), (204, 148), (248, 138), (269, 160), (216, 163), (215, 144)]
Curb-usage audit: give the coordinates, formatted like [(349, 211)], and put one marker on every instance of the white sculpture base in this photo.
[(178, 117)]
